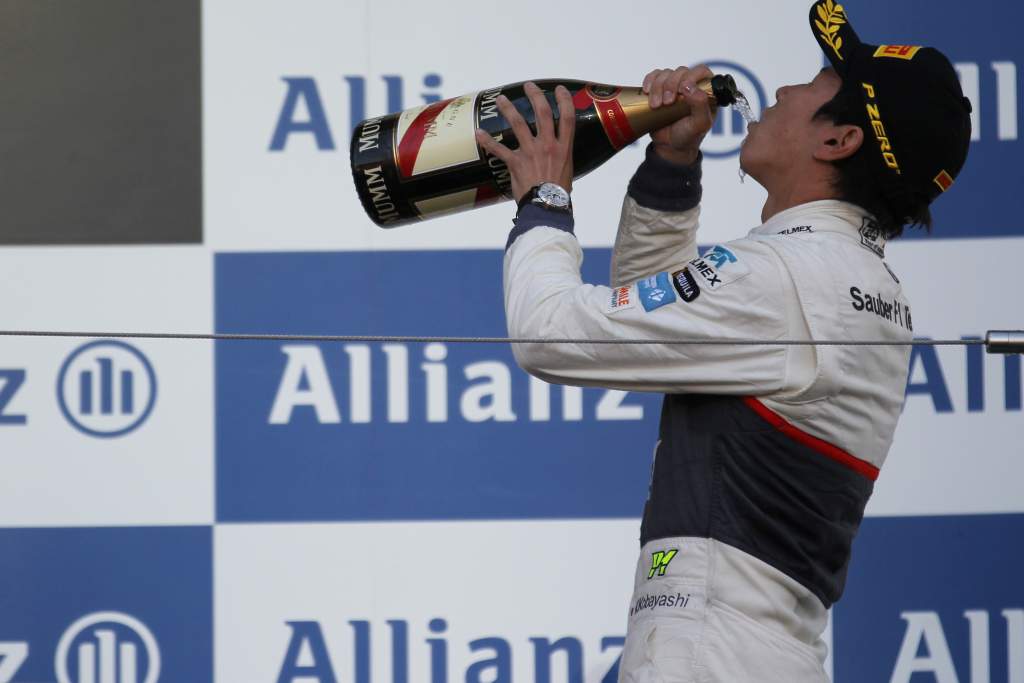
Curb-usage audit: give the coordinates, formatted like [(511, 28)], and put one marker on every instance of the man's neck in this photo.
[(795, 194)]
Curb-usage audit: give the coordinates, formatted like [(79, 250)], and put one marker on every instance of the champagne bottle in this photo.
[(425, 162)]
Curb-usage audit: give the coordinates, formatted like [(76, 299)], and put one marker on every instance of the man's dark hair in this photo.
[(859, 178)]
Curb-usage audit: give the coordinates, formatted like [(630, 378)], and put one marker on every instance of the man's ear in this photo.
[(839, 142)]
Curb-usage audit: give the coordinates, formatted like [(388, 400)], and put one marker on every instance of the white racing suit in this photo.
[(767, 454)]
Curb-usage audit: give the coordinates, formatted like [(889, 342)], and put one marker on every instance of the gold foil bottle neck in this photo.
[(636, 104)]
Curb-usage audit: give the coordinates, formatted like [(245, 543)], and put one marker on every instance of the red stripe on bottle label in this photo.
[(616, 125), (412, 141), (862, 467), (611, 115)]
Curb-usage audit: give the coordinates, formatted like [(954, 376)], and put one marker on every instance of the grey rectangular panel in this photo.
[(100, 122)]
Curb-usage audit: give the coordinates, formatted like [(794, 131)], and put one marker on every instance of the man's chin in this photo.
[(747, 167), (750, 169)]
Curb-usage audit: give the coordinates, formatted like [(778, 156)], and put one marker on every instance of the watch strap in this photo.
[(527, 198)]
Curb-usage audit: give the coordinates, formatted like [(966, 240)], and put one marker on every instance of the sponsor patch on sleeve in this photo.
[(686, 285), (655, 292), (623, 298), (717, 268)]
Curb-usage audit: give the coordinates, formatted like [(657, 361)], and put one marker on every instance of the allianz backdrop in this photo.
[(183, 511)]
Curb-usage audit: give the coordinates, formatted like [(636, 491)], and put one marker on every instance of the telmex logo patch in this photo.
[(718, 268)]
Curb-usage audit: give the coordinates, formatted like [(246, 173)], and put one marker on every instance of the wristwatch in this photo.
[(548, 196)]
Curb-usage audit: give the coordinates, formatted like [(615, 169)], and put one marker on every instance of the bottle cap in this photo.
[(723, 87)]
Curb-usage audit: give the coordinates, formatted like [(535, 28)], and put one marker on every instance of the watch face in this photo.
[(553, 195)]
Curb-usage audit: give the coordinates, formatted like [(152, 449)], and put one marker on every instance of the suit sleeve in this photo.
[(658, 224), (737, 292)]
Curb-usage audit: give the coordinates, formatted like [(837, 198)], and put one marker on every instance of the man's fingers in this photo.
[(658, 87), (493, 147), (663, 86), (515, 121), (566, 115), (671, 86), (648, 79), (701, 116), (541, 111)]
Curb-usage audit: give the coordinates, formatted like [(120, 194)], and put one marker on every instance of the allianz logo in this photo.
[(935, 374), (302, 114), (422, 381), (991, 85), (566, 658), (101, 647), (104, 389), (925, 653)]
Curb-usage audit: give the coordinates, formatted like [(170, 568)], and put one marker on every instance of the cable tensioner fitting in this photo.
[(1004, 341)]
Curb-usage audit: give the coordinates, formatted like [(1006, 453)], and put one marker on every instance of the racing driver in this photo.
[(767, 454)]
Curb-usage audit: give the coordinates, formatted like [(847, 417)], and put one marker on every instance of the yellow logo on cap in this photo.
[(879, 129), (897, 51), (832, 17)]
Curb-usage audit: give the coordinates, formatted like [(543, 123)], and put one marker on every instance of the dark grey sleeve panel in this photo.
[(661, 185)]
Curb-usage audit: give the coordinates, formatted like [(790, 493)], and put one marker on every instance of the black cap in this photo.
[(915, 112)]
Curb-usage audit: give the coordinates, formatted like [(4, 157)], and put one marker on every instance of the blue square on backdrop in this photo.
[(933, 599), (360, 431), (106, 604)]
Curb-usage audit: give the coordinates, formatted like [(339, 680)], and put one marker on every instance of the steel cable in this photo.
[(411, 339)]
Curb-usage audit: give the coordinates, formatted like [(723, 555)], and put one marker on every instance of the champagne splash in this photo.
[(744, 108), (742, 105)]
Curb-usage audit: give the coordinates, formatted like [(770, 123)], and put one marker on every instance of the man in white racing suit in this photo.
[(767, 454)]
